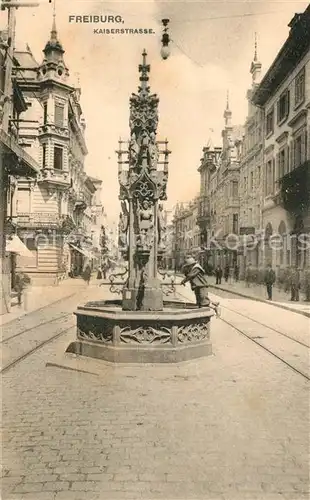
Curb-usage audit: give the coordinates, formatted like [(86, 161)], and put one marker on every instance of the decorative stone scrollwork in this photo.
[(104, 336), (194, 332), (145, 335)]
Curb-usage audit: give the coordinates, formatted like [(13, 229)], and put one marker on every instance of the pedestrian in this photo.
[(307, 285), (104, 269), (236, 272), (87, 274), (226, 272), (295, 285), (270, 278), (195, 274), (18, 288), (99, 273), (248, 275), (218, 274)]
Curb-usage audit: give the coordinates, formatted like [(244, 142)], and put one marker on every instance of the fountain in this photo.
[(142, 327)]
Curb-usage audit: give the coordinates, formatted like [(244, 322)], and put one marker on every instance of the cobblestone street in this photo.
[(231, 426)]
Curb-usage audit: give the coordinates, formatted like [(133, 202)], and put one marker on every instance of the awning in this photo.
[(15, 245), (83, 252), (25, 165)]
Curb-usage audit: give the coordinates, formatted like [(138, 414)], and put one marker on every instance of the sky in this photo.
[(211, 51)]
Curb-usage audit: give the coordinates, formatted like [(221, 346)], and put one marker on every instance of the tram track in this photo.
[(39, 346), (256, 340), (39, 325)]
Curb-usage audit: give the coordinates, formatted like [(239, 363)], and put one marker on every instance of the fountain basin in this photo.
[(179, 332)]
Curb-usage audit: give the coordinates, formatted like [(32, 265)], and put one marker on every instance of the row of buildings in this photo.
[(49, 203), (254, 202)]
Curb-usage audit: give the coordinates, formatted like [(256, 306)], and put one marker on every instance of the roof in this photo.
[(291, 53), (25, 59)]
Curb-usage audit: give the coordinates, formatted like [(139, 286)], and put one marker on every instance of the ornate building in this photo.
[(251, 178), (15, 163), (53, 207), (284, 96), (186, 232), (219, 196)]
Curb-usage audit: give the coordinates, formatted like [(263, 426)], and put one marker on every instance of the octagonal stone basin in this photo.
[(178, 333)]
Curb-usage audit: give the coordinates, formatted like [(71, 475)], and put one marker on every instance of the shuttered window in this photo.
[(59, 115), (300, 87)]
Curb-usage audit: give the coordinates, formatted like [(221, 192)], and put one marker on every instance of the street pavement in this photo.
[(232, 426), (258, 292)]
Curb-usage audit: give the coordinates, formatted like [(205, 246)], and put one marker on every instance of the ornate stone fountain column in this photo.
[(142, 185)]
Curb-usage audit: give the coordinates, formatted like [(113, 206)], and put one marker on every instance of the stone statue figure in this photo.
[(146, 223), (153, 152), (133, 150), (123, 225), (161, 227)]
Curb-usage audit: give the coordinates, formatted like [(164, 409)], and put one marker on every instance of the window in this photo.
[(250, 220), (281, 164), (45, 113), (270, 122), (59, 115), (297, 151), (44, 155), (269, 177), (235, 223), (300, 87), (58, 158), (23, 201), (252, 181), (234, 189), (258, 175), (283, 106)]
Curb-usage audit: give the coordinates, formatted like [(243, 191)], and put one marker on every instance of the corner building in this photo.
[(284, 96), (51, 209)]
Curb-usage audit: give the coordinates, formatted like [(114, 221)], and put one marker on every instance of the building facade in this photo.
[(284, 96), (219, 210), (15, 164), (54, 215), (251, 179), (186, 232)]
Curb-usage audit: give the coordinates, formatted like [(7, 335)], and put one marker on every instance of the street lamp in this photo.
[(165, 50)]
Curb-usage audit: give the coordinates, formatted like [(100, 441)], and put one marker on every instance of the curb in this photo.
[(257, 299)]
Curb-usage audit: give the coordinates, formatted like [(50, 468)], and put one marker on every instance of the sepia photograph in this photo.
[(155, 249)]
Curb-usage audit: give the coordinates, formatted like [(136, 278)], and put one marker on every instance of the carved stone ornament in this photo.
[(145, 335), (194, 333), (104, 336)]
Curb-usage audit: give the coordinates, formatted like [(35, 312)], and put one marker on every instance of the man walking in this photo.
[(295, 285), (218, 275), (270, 278), (226, 272), (195, 274)]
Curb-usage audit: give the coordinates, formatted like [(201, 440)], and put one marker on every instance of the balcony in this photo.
[(39, 220), (55, 177), (295, 189), (45, 221), (80, 202)]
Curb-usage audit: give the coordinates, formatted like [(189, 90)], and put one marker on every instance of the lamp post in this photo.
[(165, 40)]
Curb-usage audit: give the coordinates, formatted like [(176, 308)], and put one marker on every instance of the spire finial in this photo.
[(54, 30), (227, 100), (255, 47), (144, 69)]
